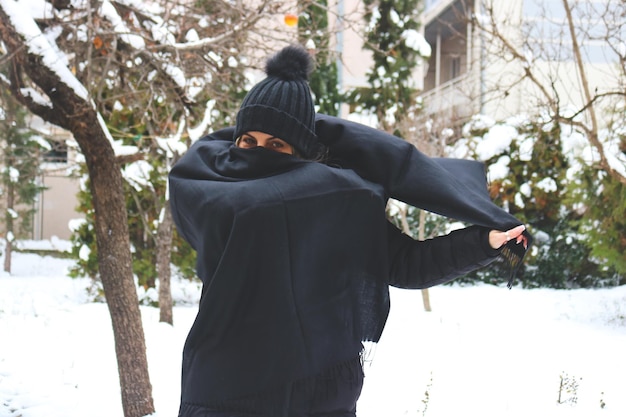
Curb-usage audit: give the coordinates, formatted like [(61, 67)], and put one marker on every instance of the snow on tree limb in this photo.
[(37, 44), (197, 131), (35, 96), (119, 26)]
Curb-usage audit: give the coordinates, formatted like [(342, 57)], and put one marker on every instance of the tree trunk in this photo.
[(407, 230), (9, 236), (71, 108), (8, 253), (115, 267), (164, 250), (422, 236)]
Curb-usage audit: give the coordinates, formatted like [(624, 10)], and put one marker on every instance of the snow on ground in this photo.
[(482, 351)]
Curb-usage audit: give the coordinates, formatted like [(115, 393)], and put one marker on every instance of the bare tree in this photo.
[(73, 66), (568, 63), (69, 107)]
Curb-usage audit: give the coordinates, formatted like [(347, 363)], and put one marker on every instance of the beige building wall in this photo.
[(482, 70), (497, 72), (346, 19), (56, 207)]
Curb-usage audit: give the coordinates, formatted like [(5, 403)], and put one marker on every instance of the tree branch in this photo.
[(127, 159), (592, 132), (248, 22), (17, 87)]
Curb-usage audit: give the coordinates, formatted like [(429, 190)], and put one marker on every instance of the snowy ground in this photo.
[(482, 351)]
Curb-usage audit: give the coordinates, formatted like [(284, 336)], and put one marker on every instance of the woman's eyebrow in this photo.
[(255, 138)]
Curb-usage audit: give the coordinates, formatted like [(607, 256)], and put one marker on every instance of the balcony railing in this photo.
[(454, 101)]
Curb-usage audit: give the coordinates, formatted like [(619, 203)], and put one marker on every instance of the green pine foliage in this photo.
[(390, 94), (541, 174), (604, 200), (324, 81), (183, 257), (605, 222), (566, 261), (23, 151), (538, 190)]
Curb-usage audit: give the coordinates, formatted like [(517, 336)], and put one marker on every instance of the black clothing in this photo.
[(454, 188), (296, 258), (281, 105), (332, 393)]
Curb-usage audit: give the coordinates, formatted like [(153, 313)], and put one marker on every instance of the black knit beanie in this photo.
[(281, 105)]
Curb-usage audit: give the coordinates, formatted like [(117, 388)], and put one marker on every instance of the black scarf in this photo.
[(454, 188)]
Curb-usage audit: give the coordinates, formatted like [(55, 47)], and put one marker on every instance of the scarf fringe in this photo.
[(513, 254)]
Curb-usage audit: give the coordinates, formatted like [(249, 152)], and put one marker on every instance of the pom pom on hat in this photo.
[(290, 64), (281, 105)]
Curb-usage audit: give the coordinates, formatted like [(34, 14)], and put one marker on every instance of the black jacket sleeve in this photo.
[(422, 264), (450, 187)]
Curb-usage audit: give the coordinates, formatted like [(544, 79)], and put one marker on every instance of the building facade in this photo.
[(471, 71)]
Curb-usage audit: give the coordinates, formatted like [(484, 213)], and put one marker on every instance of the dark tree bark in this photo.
[(164, 250), (8, 249), (71, 109)]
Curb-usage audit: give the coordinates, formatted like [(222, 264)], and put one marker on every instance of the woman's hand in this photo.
[(497, 238)]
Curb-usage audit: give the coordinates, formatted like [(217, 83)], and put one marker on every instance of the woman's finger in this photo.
[(498, 238), (517, 234)]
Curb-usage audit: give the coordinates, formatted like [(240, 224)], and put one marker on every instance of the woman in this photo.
[(296, 256)]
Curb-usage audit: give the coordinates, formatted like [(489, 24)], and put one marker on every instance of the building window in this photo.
[(58, 153)]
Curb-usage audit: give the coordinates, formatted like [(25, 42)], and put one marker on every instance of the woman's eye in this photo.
[(276, 144), (248, 141)]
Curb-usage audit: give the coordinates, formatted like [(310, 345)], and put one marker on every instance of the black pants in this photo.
[(332, 393)]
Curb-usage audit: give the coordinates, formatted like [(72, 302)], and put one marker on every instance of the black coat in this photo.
[(296, 257)]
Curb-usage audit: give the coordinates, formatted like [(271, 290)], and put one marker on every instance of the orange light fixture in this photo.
[(291, 20)]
